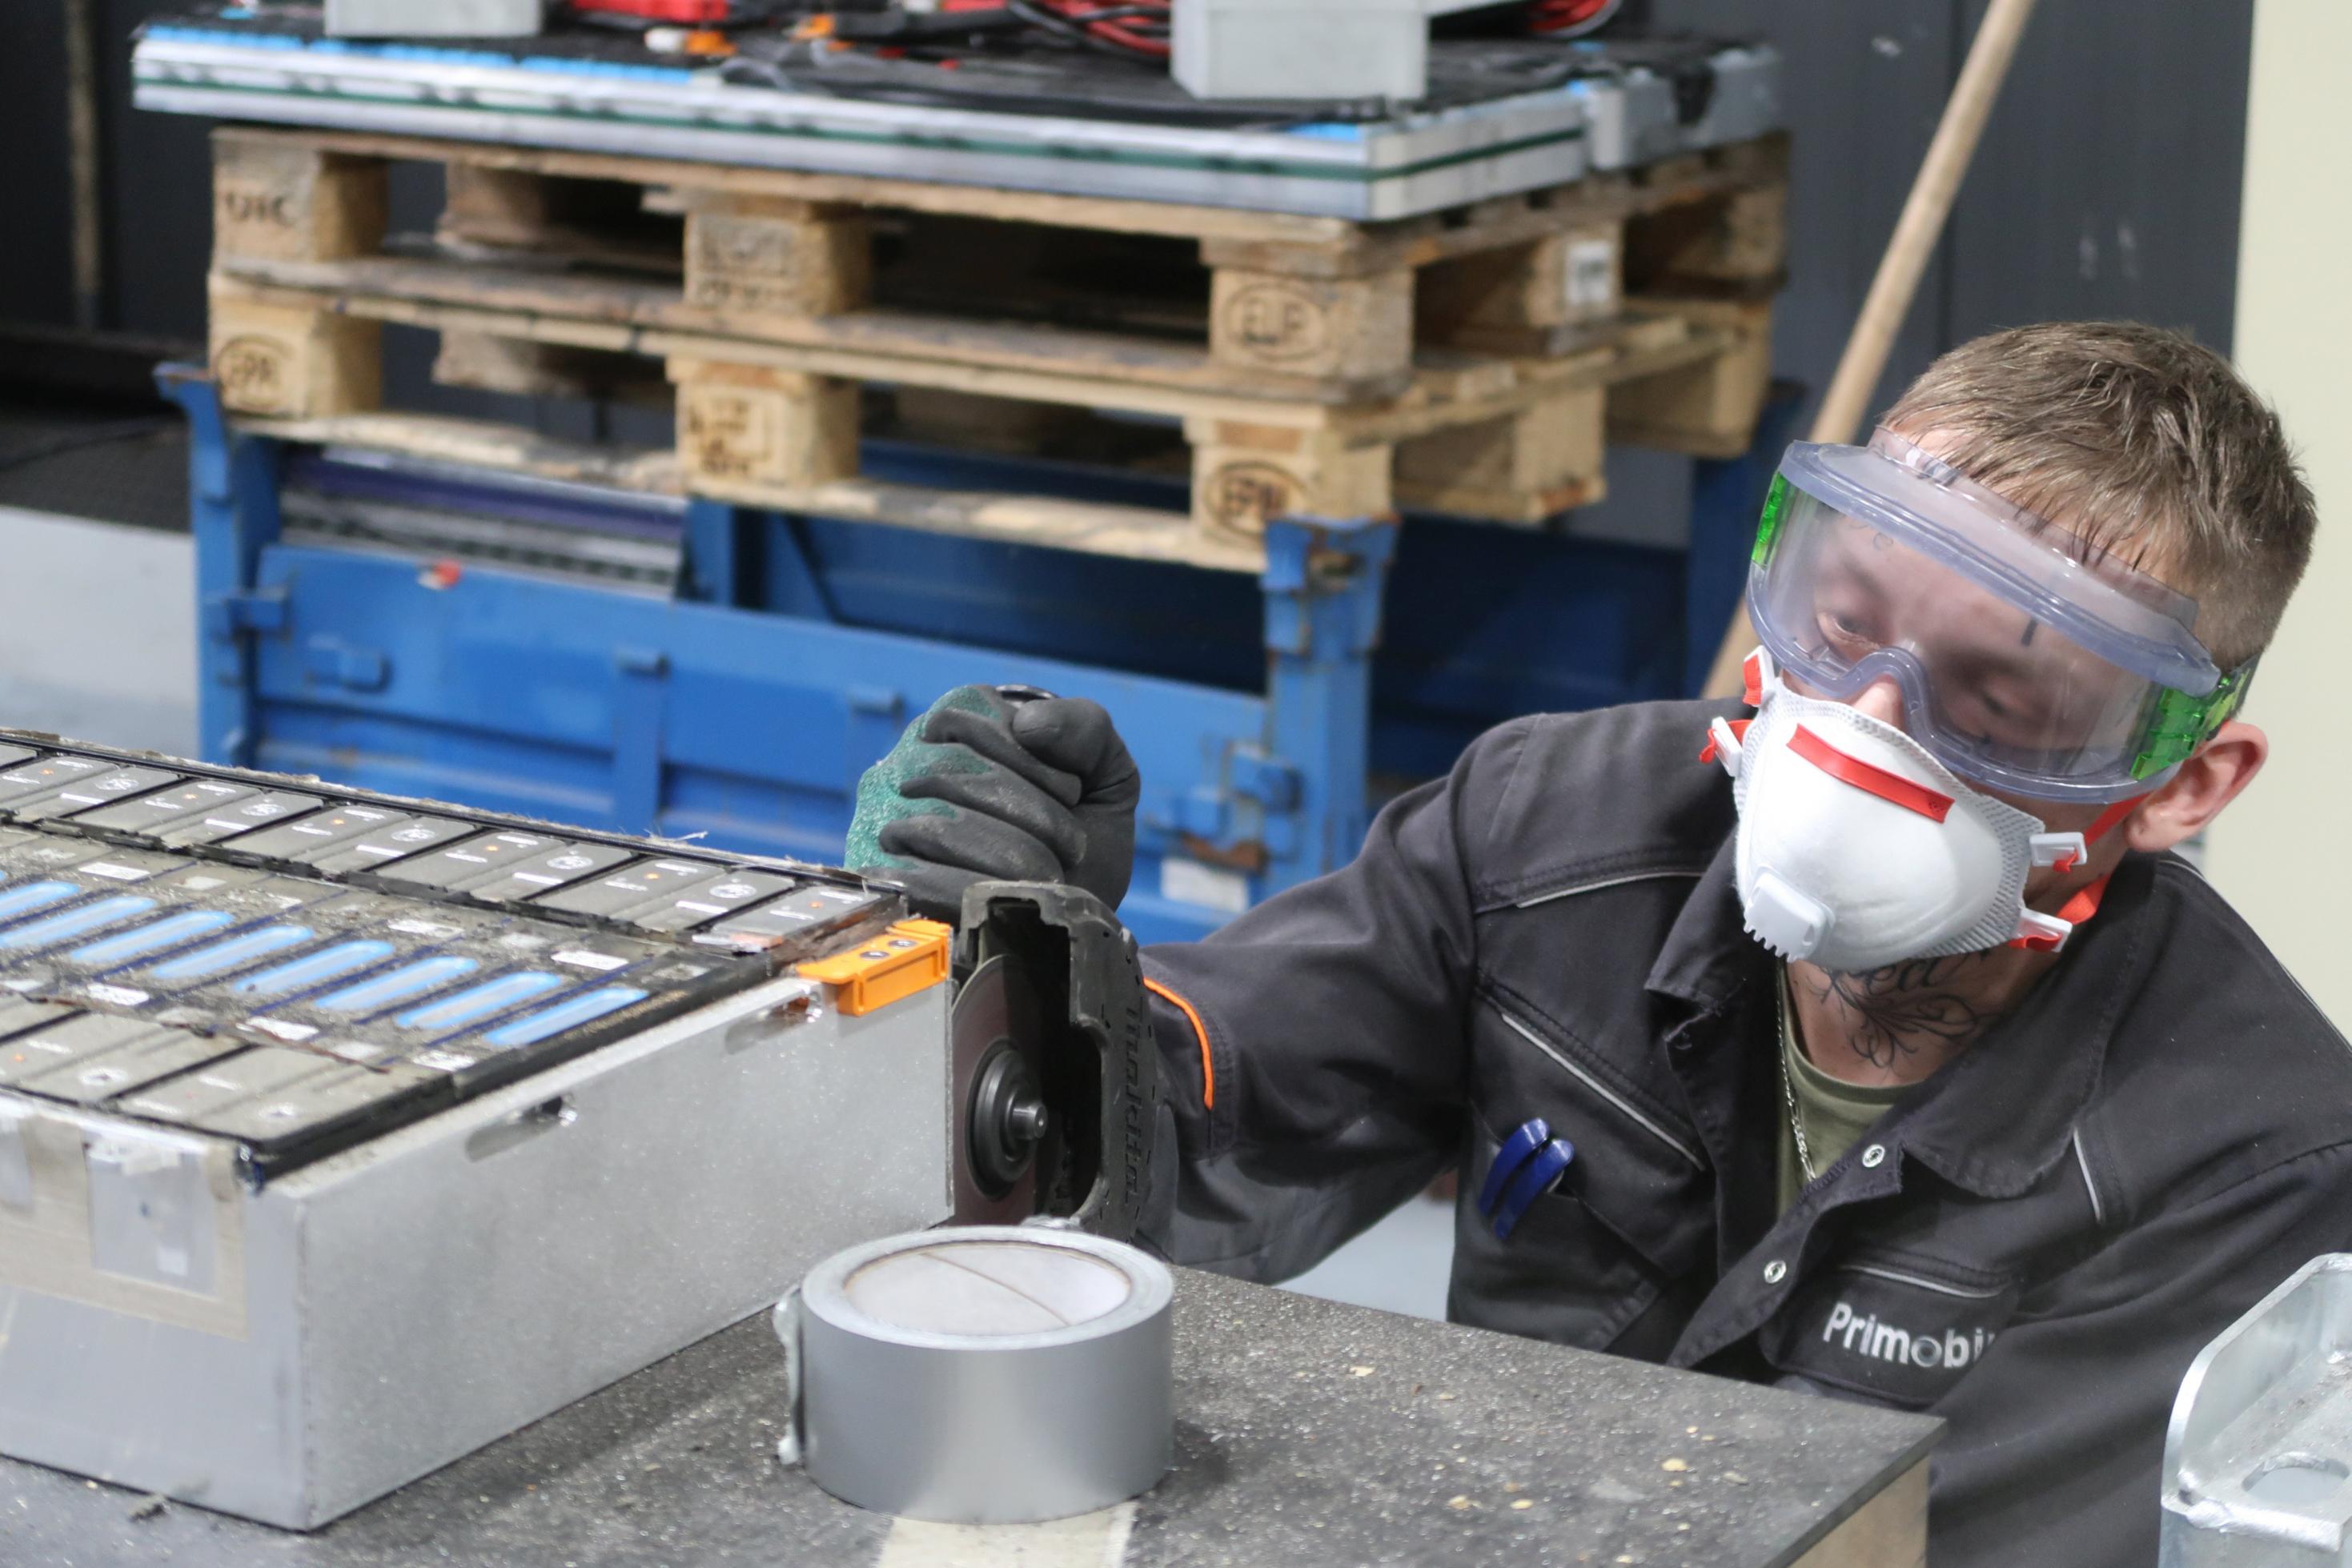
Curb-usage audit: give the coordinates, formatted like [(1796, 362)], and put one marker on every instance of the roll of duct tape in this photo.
[(987, 1375)]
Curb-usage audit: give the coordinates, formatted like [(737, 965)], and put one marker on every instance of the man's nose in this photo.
[(1882, 700)]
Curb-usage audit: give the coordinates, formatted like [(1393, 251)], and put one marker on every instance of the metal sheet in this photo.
[(320, 830), (646, 883), (483, 858), (802, 913), (762, 1096), (237, 817), (558, 867), (101, 788), (154, 813), (707, 899), (381, 846), (44, 776), (1393, 169), (702, 1138), (2258, 1455), (159, 1053)]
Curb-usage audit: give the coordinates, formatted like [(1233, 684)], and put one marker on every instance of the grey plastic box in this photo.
[(1305, 49)]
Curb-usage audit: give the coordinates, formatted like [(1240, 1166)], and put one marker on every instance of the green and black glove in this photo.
[(999, 785)]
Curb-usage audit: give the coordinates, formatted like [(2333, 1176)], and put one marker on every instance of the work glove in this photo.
[(999, 785)]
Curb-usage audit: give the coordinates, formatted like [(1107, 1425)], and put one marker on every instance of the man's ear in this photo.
[(2207, 781)]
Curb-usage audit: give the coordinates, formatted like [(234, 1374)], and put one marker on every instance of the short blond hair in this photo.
[(2143, 443)]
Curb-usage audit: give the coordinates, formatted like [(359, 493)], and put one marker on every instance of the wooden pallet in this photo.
[(1457, 361)]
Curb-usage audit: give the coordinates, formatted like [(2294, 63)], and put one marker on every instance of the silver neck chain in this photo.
[(1788, 1087)]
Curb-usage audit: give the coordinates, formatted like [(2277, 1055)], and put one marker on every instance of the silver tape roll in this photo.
[(987, 1375)]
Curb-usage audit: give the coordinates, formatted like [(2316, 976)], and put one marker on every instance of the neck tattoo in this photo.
[(1921, 1005)]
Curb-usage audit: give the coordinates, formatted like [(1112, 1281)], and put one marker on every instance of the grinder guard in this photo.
[(1087, 1056)]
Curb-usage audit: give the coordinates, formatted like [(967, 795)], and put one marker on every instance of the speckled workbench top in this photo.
[(1307, 1433)]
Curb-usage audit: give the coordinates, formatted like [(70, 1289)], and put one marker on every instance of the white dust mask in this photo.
[(1857, 849)]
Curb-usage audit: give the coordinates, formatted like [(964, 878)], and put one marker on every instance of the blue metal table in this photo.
[(1265, 713)]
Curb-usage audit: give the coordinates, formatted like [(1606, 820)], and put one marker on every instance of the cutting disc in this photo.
[(995, 1011)]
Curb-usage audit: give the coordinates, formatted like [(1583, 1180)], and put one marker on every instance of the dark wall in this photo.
[(35, 272), (2107, 183), (157, 208), (159, 195)]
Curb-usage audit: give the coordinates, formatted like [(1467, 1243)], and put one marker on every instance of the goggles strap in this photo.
[(2065, 851), (2109, 819)]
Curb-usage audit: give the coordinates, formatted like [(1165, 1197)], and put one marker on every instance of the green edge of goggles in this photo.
[(2181, 724)]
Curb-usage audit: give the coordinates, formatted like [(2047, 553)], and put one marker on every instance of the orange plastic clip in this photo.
[(912, 955)]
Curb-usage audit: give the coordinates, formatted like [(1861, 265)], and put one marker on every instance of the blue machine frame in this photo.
[(744, 707)]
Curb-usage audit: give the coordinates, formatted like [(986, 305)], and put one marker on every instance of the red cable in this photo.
[(1122, 34), (1112, 32), (1556, 15)]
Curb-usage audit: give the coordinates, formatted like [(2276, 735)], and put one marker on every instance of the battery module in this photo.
[(302, 969)]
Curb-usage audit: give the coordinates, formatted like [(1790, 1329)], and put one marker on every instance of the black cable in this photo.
[(1054, 22), (92, 435)]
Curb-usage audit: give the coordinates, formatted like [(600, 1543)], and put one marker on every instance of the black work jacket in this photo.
[(2032, 1244)]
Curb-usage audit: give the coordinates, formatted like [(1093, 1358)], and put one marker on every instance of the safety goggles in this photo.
[(2025, 665)]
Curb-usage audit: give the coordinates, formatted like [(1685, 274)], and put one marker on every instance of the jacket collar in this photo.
[(2001, 1117), (1708, 959), (1996, 1120)]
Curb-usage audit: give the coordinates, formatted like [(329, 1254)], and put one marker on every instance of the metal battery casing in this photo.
[(981, 1428), (1747, 101), (1629, 120), (1632, 116), (435, 18), (291, 1351), (1417, 163), (2258, 1454)]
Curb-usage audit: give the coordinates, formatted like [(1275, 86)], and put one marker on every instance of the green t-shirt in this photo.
[(1836, 1114)]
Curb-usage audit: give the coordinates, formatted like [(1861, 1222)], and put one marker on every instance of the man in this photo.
[(1907, 1065)]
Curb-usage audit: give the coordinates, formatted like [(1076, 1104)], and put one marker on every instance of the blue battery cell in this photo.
[(480, 1002), (398, 984), (233, 954), (34, 896), (312, 967), (532, 1028), (68, 923), (153, 937)]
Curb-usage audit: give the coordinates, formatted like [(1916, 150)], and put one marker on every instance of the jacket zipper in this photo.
[(1598, 886), (1581, 1076), (1937, 1286), (2098, 1209)]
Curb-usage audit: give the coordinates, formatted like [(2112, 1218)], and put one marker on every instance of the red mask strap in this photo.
[(2086, 901), (1893, 787), (1739, 732), (1752, 676), (2073, 912)]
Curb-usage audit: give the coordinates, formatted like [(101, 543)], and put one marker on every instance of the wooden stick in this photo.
[(1892, 291)]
